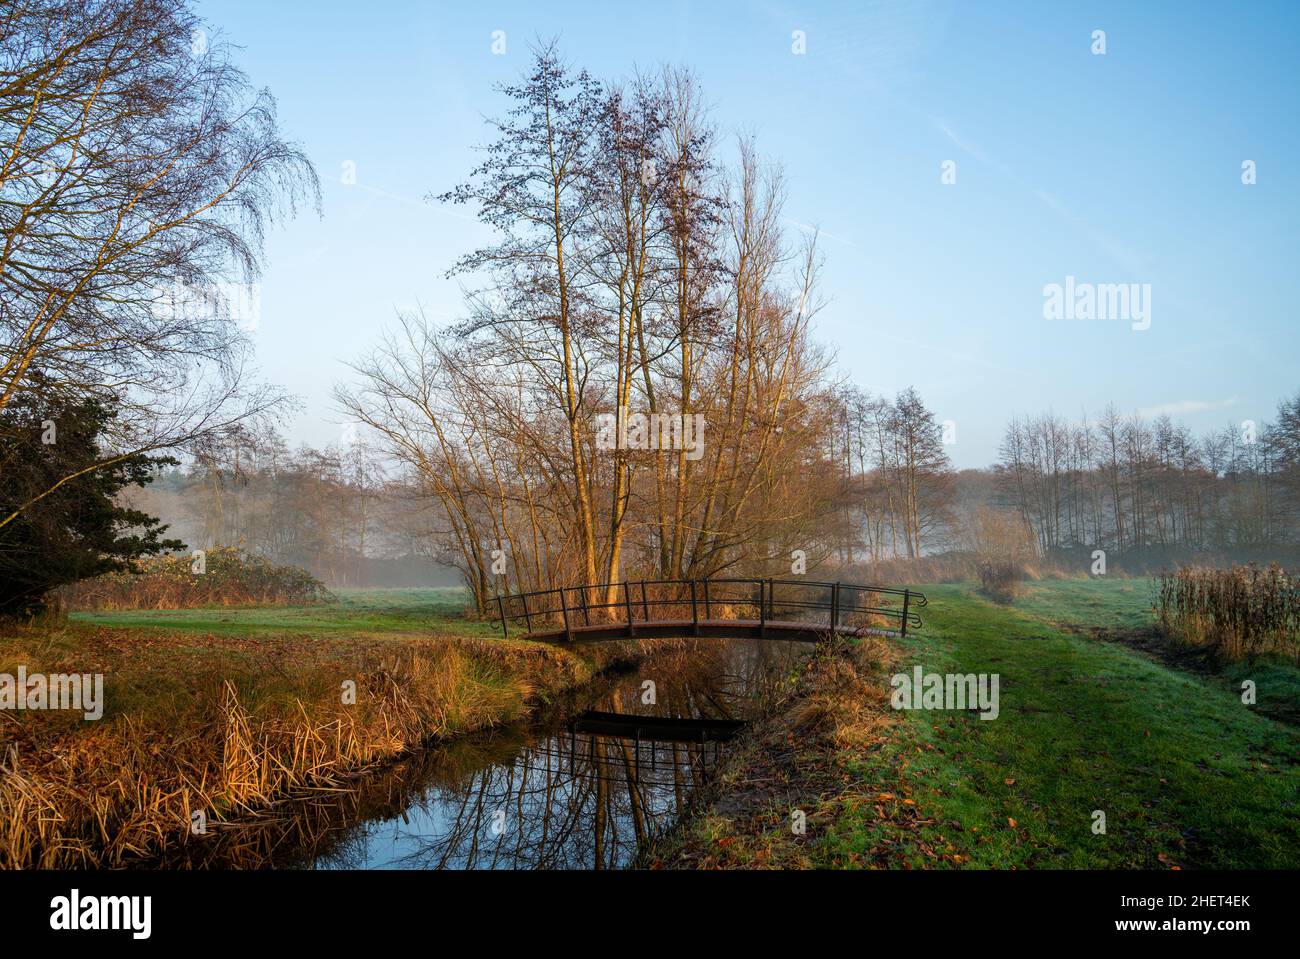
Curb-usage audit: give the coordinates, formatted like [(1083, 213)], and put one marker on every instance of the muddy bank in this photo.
[(789, 776), (1278, 676)]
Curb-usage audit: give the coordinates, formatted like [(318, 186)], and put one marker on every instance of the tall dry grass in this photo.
[(1238, 612), (231, 577), (840, 696), (123, 790)]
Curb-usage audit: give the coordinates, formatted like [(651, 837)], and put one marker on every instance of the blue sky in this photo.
[(1119, 168)]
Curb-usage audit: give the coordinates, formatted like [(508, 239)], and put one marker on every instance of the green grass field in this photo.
[(364, 612), (1185, 773), (1113, 603)]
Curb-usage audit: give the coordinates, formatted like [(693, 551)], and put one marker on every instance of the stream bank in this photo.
[(203, 735), (793, 773), (587, 781)]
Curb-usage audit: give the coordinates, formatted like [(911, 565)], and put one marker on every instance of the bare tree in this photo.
[(533, 188), (632, 284), (137, 172)]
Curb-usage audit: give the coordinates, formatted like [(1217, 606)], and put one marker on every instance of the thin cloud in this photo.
[(817, 231), (966, 147), (1131, 260), (1183, 407)]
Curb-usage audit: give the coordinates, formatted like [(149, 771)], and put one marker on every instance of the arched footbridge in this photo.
[(786, 609)]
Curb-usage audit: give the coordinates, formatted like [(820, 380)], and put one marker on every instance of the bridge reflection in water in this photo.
[(588, 792)]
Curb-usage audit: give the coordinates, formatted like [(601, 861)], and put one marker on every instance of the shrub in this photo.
[(231, 577), (1004, 548), (1000, 579), (63, 499)]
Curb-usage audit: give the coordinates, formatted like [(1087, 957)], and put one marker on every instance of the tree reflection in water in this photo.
[(566, 798)]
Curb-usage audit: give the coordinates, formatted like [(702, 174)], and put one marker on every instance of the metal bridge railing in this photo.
[(692, 601)]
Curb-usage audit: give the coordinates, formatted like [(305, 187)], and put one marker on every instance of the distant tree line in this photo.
[(889, 490), (899, 491), (334, 511), (1123, 482)]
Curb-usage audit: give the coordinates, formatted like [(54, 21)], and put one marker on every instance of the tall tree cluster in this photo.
[(633, 392), (899, 488)]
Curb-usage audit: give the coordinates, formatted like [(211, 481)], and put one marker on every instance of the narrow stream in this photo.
[(584, 786)]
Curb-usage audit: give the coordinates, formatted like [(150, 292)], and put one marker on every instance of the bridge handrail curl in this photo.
[(702, 595)]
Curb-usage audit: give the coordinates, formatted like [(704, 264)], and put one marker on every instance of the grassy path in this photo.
[(1185, 774)]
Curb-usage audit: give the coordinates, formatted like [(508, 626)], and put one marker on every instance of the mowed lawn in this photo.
[(363, 612), (1185, 774)]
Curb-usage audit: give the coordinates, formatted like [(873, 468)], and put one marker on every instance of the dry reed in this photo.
[(123, 790), (1239, 612)]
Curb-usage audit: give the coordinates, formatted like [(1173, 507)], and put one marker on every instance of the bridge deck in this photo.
[(794, 610), (791, 631)]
